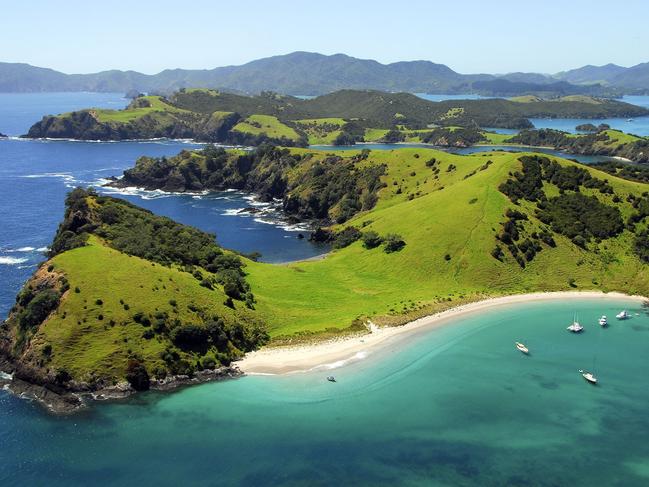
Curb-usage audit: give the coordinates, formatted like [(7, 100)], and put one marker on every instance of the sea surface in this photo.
[(456, 405)]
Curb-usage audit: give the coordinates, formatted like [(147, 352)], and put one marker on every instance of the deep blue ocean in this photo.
[(452, 406)]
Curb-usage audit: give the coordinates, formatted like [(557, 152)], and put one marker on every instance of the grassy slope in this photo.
[(93, 345), (354, 282), (318, 129), (130, 114), (268, 125)]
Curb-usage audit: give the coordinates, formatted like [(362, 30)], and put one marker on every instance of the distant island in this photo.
[(345, 118), (306, 73), (129, 301), (215, 116)]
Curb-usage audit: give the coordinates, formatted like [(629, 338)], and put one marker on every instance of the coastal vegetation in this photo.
[(127, 295), (343, 117), (604, 142)]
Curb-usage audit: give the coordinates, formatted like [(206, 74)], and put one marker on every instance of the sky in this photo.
[(470, 36)]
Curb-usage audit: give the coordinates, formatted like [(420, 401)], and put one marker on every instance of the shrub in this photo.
[(189, 336), (39, 308), (371, 239), (393, 243), (497, 253), (137, 375), (346, 237), (99, 302)]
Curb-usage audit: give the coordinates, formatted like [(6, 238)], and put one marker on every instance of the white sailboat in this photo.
[(522, 348), (603, 322), (588, 376), (623, 315), (575, 327)]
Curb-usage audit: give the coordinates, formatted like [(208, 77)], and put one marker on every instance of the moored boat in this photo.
[(603, 321), (588, 376), (576, 326), (623, 315), (522, 348), (331, 378)]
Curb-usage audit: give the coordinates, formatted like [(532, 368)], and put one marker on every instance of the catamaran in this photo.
[(575, 327), (603, 321), (522, 348), (623, 315), (588, 376)]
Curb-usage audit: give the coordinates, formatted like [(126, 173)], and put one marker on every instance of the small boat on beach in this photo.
[(588, 376), (575, 327), (522, 348), (623, 315), (331, 378), (603, 322)]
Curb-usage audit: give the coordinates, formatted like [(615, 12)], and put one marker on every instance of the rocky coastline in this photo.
[(76, 396)]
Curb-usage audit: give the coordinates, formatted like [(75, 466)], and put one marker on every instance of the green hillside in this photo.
[(455, 214), (269, 117), (413, 231), (450, 226), (129, 295)]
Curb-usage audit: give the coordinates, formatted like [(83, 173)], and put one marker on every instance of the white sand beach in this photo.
[(300, 358)]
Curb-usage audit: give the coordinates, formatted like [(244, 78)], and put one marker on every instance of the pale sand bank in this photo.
[(332, 353)]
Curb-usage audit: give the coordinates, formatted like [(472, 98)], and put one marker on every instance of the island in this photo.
[(603, 142), (342, 117), (129, 301)]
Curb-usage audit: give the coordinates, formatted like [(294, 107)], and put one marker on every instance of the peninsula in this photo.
[(129, 301)]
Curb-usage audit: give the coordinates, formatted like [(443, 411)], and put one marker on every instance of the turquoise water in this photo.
[(457, 406)]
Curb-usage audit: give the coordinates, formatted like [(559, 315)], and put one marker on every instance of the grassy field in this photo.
[(449, 226), (372, 135), (93, 331), (266, 124), (321, 130), (130, 114)]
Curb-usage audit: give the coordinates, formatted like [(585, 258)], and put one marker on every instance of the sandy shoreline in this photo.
[(300, 358)]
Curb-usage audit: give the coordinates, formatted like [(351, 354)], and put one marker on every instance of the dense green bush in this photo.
[(573, 214), (371, 239), (38, 308), (393, 243), (346, 237), (137, 375)]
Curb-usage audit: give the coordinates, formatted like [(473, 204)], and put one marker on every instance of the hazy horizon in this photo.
[(469, 37), (171, 68)]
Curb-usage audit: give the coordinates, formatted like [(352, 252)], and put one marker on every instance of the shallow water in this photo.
[(457, 406)]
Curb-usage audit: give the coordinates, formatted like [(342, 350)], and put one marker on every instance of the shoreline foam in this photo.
[(303, 358)]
